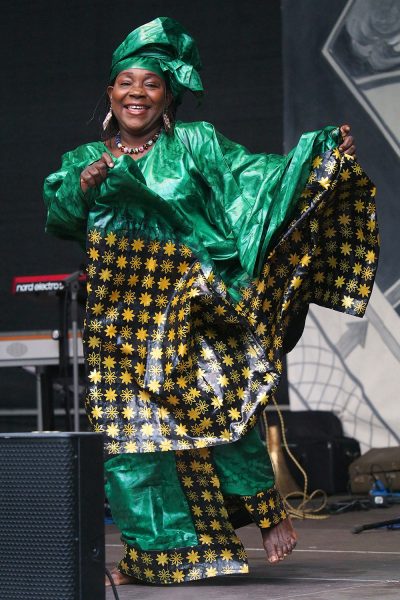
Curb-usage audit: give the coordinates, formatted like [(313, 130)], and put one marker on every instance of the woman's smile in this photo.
[(138, 99), (136, 108)]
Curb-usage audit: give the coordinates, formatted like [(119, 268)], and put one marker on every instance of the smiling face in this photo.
[(138, 98)]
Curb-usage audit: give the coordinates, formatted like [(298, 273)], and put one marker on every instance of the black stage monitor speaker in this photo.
[(52, 516)]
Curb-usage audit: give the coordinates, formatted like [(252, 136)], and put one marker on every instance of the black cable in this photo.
[(111, 580), (376, 525), (341, 506)]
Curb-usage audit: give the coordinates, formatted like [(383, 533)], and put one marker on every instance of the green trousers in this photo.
[(176, 510)]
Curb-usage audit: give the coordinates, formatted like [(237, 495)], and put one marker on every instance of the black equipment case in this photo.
[(316, 440)]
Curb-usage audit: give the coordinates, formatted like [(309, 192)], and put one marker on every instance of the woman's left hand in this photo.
[(347, 146)]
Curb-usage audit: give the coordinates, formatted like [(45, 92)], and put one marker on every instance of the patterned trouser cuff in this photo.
[(266, 508), (182, 565)]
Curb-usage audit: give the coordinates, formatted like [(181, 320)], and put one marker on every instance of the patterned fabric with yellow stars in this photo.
[(328, 254), (174, 362), (218, 550), (177, 511)]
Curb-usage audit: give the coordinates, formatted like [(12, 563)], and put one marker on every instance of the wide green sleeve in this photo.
[(253, 195), (67, 206)]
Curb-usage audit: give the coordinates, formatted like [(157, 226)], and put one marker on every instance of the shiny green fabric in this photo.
[(141, 62), (228, 201), (166, 41), (147, 501), (146, 497), (174, 363), (244, 467)]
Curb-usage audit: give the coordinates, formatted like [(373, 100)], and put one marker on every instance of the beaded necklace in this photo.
[(135, 149)]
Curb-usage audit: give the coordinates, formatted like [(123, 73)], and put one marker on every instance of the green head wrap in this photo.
[(164, 47)]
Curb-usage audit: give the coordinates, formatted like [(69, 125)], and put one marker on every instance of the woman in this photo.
[(203, 259)]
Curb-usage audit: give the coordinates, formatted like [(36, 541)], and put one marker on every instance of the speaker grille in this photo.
[(39, 529)]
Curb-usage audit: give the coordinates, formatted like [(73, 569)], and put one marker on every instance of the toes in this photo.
[(120, 578), (280, 551), (293, 542), (271, 551), (279, 542), (273, 559), (276, 553)]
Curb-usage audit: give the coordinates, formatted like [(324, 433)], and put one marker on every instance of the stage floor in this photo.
[(329, 563)]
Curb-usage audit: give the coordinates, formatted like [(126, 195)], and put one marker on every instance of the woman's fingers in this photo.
[(344, 130), (347, 146), (351, 150), (96, 173), (106, 158), (347, 142)]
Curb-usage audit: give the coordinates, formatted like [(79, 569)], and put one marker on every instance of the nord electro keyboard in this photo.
[(49, 284)]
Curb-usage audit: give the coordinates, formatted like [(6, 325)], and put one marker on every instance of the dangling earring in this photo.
[(107, 119), (166, 121)]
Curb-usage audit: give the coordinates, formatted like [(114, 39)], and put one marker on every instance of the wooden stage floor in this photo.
[(329, 563)]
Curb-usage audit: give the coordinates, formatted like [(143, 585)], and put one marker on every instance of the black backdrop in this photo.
[(55, 61)]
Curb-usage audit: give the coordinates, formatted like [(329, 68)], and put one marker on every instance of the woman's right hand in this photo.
[(96, 173)]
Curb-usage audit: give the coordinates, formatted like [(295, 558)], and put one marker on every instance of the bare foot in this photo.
[(279, 541), (120, 578)]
